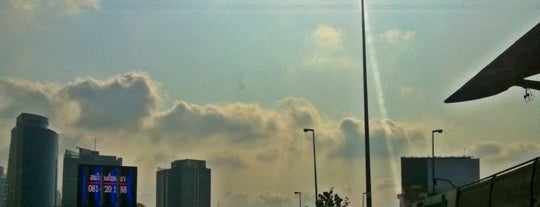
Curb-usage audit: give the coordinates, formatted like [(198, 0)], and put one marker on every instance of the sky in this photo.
[(235, 82)]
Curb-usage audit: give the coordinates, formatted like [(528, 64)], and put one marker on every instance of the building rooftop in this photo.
[(441, 157)]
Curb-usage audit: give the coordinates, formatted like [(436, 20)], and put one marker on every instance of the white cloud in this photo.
[(121, 101), (70, 7), (240, 122), (325, 61), (507, 153), (256, 153), (18, 95), (404, 137), (405, 90), (398, 37), (326, 51), (328, 37)]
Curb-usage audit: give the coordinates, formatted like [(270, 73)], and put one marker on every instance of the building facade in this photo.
[(185, 184), (2, 186), (32, 164), (450, 172), (71, 163)]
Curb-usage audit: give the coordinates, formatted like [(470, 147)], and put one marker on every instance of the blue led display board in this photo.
[(107, 186)]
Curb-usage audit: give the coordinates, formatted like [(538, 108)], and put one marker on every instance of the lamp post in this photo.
[(433, 158), (314, 160), (366, 109), (299, 198)]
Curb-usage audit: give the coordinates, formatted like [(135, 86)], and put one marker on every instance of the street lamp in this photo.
[(366, 109), (314, 160), (299, 198), (433, 158)]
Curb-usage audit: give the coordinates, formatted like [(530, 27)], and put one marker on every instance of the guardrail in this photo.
[(516, 186)]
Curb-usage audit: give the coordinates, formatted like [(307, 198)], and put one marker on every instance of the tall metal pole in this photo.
[(433, 162), (314, 161), (434, 181), (315, 166), (366, 115)]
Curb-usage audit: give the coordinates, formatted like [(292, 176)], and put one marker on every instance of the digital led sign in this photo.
[(107, 186)]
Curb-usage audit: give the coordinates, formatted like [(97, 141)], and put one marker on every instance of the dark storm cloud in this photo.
[(120, 102)]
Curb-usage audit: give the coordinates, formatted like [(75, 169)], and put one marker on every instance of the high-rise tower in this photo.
[(186, 184), (2, 186), (72, 160), (32, 165)]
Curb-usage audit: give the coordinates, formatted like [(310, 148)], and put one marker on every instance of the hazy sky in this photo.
[(234, 82)]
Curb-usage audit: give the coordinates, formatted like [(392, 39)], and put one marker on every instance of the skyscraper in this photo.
[(186, 184), (32, 165), (2, 186), (71, 162)]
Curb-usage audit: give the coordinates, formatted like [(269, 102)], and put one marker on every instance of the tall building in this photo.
[(450, 172), (186, 184), (32, 164), (71, 163), (2, 186)]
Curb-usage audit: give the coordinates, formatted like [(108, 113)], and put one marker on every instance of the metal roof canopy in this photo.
[(519, 61)]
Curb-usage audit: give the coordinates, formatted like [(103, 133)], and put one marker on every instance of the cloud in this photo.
[(228, 160), (119, 102), (18, 96), (328, 37), (239, 122), (249, 147), (487, 150), (403, 138), (261, 199), (327, 51), (385, 183), (505, 152), (325, 60), (268, 199), (237, 199), (70, 7), (397, 37), (268, 155), (299, 112), (405, 90)]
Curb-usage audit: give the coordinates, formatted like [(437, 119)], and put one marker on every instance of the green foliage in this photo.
[(329, 199)]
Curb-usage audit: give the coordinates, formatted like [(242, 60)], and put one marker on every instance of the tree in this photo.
[(329, 199)]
